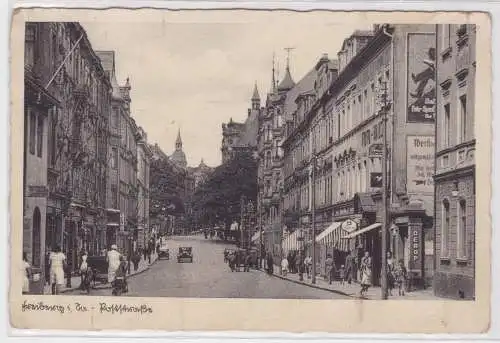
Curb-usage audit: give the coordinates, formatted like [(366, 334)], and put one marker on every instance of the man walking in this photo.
[(329, 268)]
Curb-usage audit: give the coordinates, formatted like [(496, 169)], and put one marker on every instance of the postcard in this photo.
[(245, 170)]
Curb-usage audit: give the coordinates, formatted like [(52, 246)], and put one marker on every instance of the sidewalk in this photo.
[(75, 280), (352, 290)]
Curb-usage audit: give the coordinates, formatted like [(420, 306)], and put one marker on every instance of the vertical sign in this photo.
[(421, 77), (415, 263), (419, 164)]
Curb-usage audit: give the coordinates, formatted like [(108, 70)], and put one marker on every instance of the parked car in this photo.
[(164, 252), (185, 254)]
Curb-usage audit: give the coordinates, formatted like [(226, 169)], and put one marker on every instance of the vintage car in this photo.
[(185, 254), (164, 252)]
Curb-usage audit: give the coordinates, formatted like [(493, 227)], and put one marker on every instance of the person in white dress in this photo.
[(113, 259), (27, 274), (57, 261), (284, 266)]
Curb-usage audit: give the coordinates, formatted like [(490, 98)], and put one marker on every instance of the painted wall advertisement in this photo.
[(420, 164), (421, 87)]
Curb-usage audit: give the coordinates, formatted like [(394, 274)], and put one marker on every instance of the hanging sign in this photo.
[(420, 164)]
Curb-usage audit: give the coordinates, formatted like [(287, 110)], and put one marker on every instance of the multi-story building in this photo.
[(144, 155), (342, 126), (200, 173), (455, 163), (39, 105), (230, 135), (113, 166), (77, 138), (127, 235)]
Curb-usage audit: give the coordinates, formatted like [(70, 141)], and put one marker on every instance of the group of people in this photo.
[(235, 258)]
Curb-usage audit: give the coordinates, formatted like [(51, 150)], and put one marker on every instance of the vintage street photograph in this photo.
[(160, 163)]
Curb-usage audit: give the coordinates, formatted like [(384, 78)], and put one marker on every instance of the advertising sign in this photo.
[(415, 248), (419, 164), (421, 78)]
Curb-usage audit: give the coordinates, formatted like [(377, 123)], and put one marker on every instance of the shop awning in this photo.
[(364, 230), (290, 242), (256, 236)]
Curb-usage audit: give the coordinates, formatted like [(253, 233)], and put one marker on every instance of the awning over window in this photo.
[(364, 230), (290, 242), (326, 236)]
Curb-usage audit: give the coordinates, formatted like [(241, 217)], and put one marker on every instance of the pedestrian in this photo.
[(57, 261), (136, 258), (301, 267), (270, 263), (401, 277), (83, 268), (232, 260), (113, 259), (308, 263), (157, 248), (329, 268), (390, 273), (342, 275), (366, 273), (145, 252), (27, 274), (248, 259), (349, 267), (85, 274), (284, 266)]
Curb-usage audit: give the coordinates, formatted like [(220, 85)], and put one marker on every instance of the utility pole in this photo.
[(242, 213), (385, 212), (313, 217)]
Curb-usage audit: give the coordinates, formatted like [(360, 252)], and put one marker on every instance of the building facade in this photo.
[(144, 155), (77, 141), (39, 105), (230, 135), (455, 163), (341, 129)]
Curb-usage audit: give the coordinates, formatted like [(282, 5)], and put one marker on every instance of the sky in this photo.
[(194, 71)]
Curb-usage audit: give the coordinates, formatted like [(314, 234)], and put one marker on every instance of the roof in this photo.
[(357, 33), (248, 136), (255, 95), (287, 82), (304, 85), (108, 63)]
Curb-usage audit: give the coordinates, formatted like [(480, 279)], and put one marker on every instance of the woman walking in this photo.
[(27, 274), (57, 261), (390, 273), (366, 273)]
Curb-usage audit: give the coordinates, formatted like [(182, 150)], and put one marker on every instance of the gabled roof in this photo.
[(248, 136), (108, 64), (255, 95), (304, 85)]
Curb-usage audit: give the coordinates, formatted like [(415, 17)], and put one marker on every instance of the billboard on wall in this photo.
[(421, 78), (420, 164)]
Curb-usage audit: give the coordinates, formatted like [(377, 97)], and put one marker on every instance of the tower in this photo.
[(179, 157), (255, 98), (287, 83), (178, 141)]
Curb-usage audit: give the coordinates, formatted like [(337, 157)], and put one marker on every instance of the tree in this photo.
[(165, 189), (218, 199)]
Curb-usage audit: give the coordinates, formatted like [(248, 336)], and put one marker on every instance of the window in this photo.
[(32, 130), (446, 126), (461, 230), (445, 37), (39, 136), (445, 228), (114, 196), (29, 45), (463, 118), (114, 158)]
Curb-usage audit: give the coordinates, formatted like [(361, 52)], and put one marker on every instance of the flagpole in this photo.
[(63, 62)]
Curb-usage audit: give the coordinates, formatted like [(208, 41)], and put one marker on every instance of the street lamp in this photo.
[(313, 215)]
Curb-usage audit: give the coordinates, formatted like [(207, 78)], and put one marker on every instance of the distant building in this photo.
[(200, 173), (178, 156), (144, 155), (230, 135), (455, 162)]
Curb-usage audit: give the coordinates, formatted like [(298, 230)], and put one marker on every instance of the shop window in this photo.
[(445, 228), (462, 230)]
